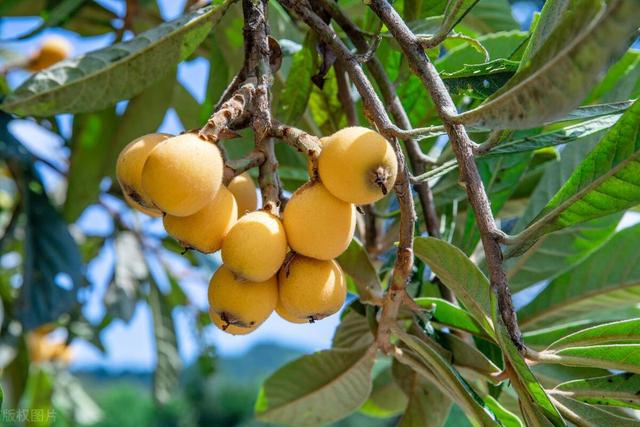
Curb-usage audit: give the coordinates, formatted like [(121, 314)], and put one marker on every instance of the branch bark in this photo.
[(463, 149)]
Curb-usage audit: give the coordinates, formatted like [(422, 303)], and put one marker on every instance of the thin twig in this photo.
[(375, 112), (462, 147)]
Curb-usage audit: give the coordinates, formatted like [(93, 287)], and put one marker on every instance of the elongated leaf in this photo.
[(352, 332), (101, 78), (445, 313), (534, 401), (550, 15), (584, 414), (462, 393), (624, 330), (317, 389), (613, 390), (480, 80), (560, 75), (297, 90), (491, 16), (386, 399), (609, 278), (427, 405), (541, 338), (356, 263), (90, 144), (571, 134), (597, 110), (507, 419), (623, 357), (469, 359), (607, 181), (460, 275)]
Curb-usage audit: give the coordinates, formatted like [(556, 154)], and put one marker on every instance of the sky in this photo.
[(130, 345)]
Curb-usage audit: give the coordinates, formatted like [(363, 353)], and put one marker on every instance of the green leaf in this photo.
[(447, 314), (480, 80), (609, 278), (534, 401), (620, 81), (168, 364), (607, 181), (90, 143), (325, 106), (352, 332), (317, 389), (569, 134), (356, 263), (560, 74), (427, 405), (597, 110), (469, 360), (542, 338), (460, 275), (623, 357), (293, 100), (489, 16), (550, 15), (186, 107), (386, 399), (624, 330), (507, 419), (101, 78), (612, 390), (583, 414), (473, 406)]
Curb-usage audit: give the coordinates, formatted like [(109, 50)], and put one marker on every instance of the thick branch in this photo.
[(375, 112), (230, 111), (462, 147)]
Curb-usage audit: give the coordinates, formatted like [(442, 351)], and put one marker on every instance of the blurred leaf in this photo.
[(550, 16), (121, 297), (317, 389), (560, 74), (604, 183), (218, 79), (460, 391), (613, 390), (38, 395), (80, 84), (609, 278), (579, 412), (480, 80), (569, 134), (491, 16), (74, 401), (356, 263), (325, 107), (427, 405), (168, 363), (91, 19), (447, 314), (352, 332), (186, 106), (295, 96), (460, 275), (90, 144), (468, 359), (615, 332), (386, 399), (620, 81)]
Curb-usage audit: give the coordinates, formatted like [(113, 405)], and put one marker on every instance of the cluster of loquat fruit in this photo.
[(269, 263)]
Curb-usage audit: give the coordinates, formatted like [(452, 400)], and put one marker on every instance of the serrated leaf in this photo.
[(560, 74), (100, 78), (624, 330), (427, 405), (585, 414), (613, 390), (447, 314), (607, 181), (623, 357), (356, 263), (317, 389), (569, 134), (609, 278), (460, 275)]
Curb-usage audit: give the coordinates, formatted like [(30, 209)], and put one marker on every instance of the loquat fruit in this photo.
[(244, 190), (357, 165)]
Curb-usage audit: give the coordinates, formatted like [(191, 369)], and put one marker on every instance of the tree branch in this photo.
[(375, 112), (463, 149)]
